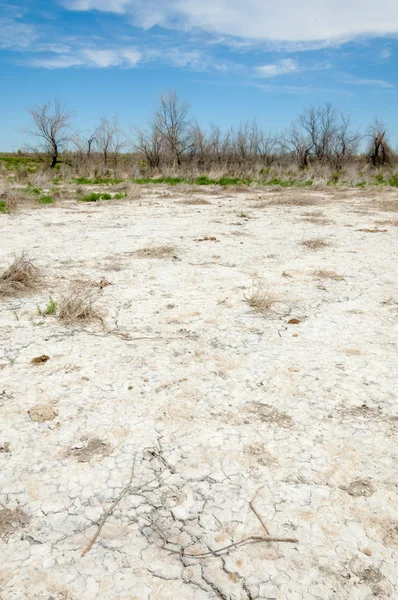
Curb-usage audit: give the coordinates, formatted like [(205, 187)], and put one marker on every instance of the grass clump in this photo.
[(260, 299), (95, 196), (21, 277), (50, 309), (120, 195), (156, 252), (315, 244), (78, 305), (45, 199), (97, 180), (4, 207), (325, 274)]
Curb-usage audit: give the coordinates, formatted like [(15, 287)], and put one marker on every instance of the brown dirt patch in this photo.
[(11, 521), (94, 447)]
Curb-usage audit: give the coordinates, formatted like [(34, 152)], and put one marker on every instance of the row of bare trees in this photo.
[(320, 135)]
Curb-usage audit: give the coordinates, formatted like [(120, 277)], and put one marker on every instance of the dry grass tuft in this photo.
[(21, 277), (78, 305), (324, 274), (315, 244), (155, 252), (318, 221), (194, 201), (293, 200), (260, 299)]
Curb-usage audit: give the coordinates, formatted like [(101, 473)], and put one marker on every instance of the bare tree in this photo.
[(109, 139), (379, 151), (345, 142), (51, 129), (149, 143), (172, 121)]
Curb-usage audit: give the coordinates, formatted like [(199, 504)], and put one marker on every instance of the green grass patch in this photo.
[(45, 200), (120, 195), (287, 182), (95, 196), (96, 180), (4, 207), (13, 162)]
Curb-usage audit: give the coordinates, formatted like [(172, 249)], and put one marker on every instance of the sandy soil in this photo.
[(184, 401)]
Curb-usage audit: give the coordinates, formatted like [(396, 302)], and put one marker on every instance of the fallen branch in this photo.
[(109, 511), (253, 539)]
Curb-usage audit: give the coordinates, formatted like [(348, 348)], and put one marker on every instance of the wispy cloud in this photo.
[(16, 35), (385, 54), (286, 65), (90, 57), (285, 21), (351, 80)]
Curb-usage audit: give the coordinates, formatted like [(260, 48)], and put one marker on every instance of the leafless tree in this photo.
[(379, 151), (345, 142), (51, 127), (109, 139), (172, 121), (149, 143)]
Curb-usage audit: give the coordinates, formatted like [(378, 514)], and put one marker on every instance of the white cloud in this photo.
[(371, 82), (16, 35), (91, 57), (283, 66), (385, 54), (283, 21)]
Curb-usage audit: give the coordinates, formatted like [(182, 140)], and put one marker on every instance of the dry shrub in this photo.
[(315, 244), (21, 277), (155, 252), (324, 274), (260, 299), (78, 305), (12, 199)]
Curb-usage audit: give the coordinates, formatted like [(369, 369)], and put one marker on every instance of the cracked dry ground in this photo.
[(208, 398)]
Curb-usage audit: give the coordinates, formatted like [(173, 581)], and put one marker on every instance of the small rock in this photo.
[(5, 447), (294, 322), (41, 412)]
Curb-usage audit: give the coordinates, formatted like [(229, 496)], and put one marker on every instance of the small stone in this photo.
[(294, 322), (41, 413), (4, 447)]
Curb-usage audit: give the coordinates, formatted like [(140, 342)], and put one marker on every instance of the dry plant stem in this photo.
[(109, 511), (253, 539)]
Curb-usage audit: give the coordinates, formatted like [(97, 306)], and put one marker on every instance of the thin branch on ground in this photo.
[(252, 539)]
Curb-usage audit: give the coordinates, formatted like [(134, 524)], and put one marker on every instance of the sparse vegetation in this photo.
[(45, 199), (324, 274), (21, 277), (315, 244), (78, 305), (259, 298), (95, 196), (155, 252)]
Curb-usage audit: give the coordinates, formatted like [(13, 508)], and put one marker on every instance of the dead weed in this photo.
[(21, 277)]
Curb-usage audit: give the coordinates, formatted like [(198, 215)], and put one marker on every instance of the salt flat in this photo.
[(199, 400)]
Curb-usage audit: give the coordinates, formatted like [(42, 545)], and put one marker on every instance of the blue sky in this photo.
[(233, 60)]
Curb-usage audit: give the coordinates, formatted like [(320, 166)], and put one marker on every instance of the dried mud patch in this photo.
[(11, 521), (360, 487), (94, 447)]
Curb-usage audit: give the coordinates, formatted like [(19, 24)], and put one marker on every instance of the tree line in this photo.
[(172, 138)]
